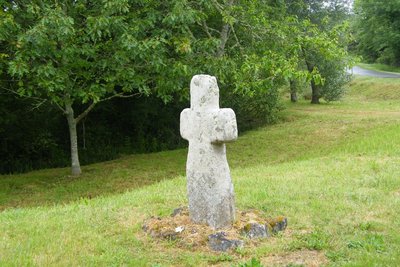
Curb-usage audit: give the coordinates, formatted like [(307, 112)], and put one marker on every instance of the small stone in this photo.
[(169, 235), (179, 229), (177, 211), (278, 224), (256, 230), (219, 242)]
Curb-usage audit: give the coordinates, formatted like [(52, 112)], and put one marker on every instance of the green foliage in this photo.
[(87, 51), (322, 36), (336, 78), (377, 30), (81, 52), (77, 54), (326, 54)]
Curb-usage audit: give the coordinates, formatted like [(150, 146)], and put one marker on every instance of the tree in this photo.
[(76, 53), (322, 40), (377, 30), (326, 53), (257, 56)]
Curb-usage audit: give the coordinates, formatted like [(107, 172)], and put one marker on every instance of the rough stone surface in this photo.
[(278, 224), (177, 211), (256, 230), (219, 242), (207, 128)]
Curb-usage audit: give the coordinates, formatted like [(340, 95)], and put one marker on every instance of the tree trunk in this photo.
[(224, 34), (314, 88), (224, 39), (293, 91), (75, 165), (314, 93)]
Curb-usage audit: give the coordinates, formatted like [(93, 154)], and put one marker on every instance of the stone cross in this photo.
[(207, 128)]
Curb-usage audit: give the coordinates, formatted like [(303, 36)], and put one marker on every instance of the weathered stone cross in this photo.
[(207, 128)]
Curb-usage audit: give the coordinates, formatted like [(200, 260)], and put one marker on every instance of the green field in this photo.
[(332, 169)]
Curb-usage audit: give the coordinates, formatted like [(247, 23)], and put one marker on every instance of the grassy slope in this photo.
[(333, 170)]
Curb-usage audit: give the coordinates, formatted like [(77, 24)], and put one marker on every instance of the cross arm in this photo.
[(225, 126), (185, 127)]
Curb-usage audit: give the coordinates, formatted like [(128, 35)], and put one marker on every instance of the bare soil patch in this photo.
[(397, 193), (309, 258)]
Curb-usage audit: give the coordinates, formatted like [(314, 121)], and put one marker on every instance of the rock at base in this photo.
[(278, 224), (178, 211), (256, 230), (250, 226), (219, 242), (162, 234)]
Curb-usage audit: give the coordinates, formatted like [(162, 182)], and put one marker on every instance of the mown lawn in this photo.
[(332, 169)]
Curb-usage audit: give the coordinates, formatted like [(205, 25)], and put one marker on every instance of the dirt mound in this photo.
[(180, 228)]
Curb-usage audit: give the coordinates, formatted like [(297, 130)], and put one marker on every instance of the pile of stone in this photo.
[(249, 228)]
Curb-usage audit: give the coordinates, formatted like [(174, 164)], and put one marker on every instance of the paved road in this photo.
[(380, 74)]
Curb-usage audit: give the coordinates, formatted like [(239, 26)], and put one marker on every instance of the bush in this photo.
[(336, 79)]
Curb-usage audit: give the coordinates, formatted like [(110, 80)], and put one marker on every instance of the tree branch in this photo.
[(225, 30), (91, 106), (121, 95), (84, 114), (236, 38), (61, 108), (36, 106), (190, 32), (205, 27), (24, 96), (218, 6), (40, 100), (224, 39)]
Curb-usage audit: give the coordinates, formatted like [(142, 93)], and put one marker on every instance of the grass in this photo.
[(332, 169), (379, 67), (371, 89)]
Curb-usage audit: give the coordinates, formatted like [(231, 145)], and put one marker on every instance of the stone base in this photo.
[(249, 228), (219, 242)]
